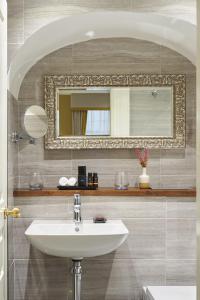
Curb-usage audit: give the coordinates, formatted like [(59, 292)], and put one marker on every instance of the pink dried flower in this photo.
[(142, 155)]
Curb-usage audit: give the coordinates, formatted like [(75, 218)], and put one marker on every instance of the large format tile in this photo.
[(146, 239), (38, 14), (84, 154), (178, 9), (43, 207), (183, 165), (113, 68), (181, 239), (168, 55), (181, 208), (11, 52), (116, 51), (181, 68), (191, 94), (41, 279), (60, 167), (181, 272), (121, 207), (15, 21), (145, 4), (102, 279), (120, 279), (111, 166), (178, 181)]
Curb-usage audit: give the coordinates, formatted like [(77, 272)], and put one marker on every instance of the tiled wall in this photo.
[(160, 249), (161, 246), (172, 168)]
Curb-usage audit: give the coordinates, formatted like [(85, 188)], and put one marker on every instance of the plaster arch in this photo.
[(173, 33)]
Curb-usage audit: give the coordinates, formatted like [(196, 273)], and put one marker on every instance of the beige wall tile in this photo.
[(146, 239), (178, 181), (12, 49), (181, 208), (121, 207), (40, 279), (181, 272), (43, 207), (181, 239), (107, 279), (38, 14), (121, 51), (185, 165), (15, 21)]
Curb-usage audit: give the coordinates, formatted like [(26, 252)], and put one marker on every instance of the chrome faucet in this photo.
[(77, 211)]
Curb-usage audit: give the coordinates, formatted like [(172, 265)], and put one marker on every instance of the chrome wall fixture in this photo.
[(17, 137)]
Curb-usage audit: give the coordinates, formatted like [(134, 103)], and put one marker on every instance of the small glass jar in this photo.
[(36, 181), (121, 181)]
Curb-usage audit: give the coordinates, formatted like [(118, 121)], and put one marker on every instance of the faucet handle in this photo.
[(77, 199)]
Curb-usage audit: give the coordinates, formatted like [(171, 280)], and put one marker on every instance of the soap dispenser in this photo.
[(82, 176)]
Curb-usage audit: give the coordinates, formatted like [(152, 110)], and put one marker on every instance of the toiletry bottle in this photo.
[(95, 180), (90, 180), (82, 176)]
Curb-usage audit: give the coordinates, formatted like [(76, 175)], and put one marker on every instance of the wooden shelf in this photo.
[(108, 192)]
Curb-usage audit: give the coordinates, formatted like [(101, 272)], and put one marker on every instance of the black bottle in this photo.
[(95, 180), (90, 180), (82, 175)]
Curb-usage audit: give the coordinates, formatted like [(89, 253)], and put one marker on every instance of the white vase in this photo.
[(144, 182)]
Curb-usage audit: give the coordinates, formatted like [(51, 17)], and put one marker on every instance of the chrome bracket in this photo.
[(17, 137)]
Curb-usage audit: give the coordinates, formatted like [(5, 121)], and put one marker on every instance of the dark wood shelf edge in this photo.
[(108, 192)]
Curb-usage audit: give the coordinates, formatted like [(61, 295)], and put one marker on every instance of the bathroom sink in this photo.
[(59, 238)]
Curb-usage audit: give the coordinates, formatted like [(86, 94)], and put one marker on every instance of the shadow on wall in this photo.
[(104, 277), (50, 278)]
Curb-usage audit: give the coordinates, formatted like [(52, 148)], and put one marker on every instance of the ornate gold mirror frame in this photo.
[(55, 82)]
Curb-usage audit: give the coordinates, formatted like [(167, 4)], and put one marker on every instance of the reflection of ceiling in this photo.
[(171, 25)]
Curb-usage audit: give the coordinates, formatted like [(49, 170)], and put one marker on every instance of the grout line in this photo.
[(109, 218), (166, 236), (46, 258)]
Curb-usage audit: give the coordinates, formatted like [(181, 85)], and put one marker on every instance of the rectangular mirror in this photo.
[(83, 112), (115, 111), (147, 112)]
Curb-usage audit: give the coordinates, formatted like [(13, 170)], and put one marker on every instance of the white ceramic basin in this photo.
[(59, 238)]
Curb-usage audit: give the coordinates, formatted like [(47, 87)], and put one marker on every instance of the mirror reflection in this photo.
[(115, 111), (35, 121)]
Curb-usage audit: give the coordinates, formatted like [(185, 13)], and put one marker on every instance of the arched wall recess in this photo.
[(173, 33)]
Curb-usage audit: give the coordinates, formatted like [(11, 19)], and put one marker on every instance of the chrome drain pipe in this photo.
[(76, 271)]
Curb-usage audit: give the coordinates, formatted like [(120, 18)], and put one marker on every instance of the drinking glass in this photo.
[(36, 181), (121, 181)]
